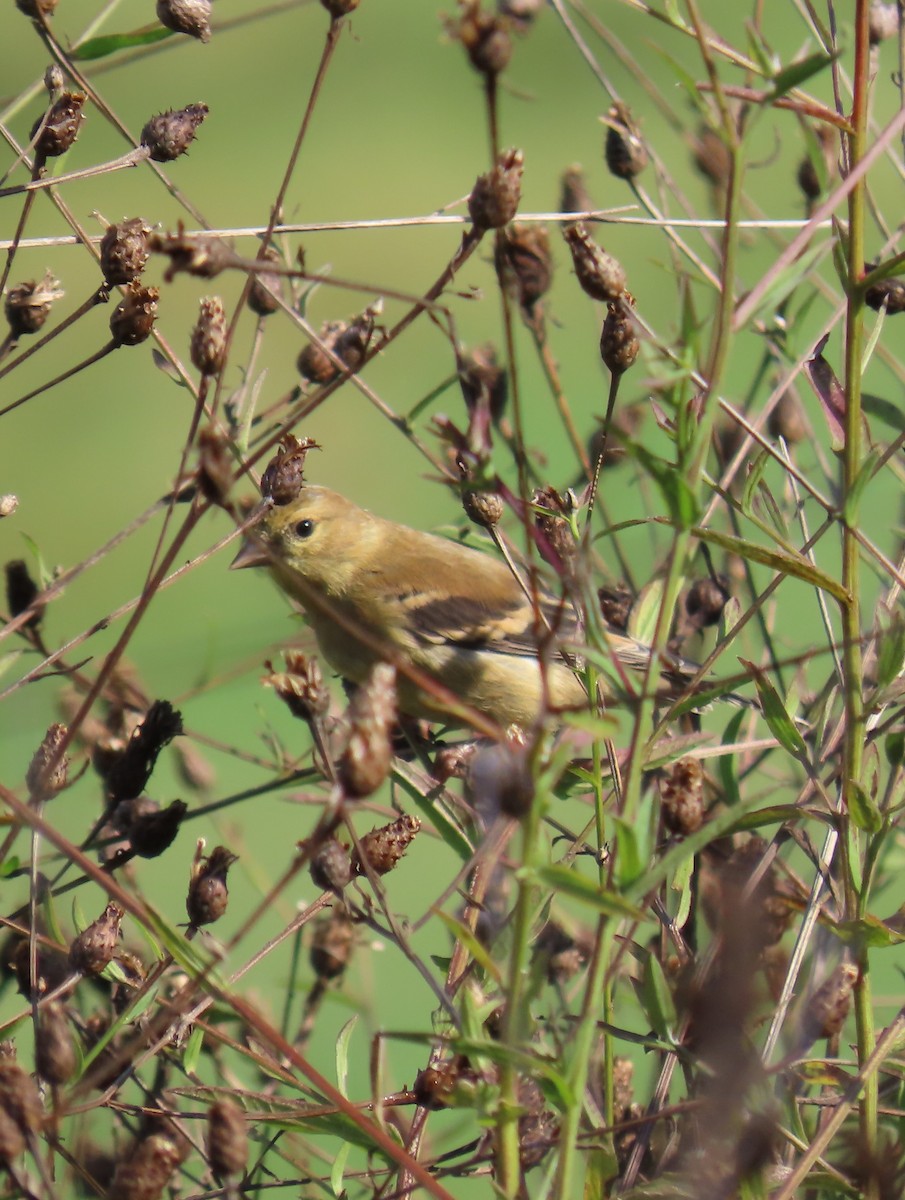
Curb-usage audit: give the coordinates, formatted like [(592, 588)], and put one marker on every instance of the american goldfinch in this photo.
[(374, 589)]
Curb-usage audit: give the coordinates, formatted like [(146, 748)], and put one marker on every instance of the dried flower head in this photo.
[(500, 781), (27, 305), (124, 250), (284, 475), (888, 294), (616, 605), (315, 361), (827, 1008), (264, 282), (37, 8), (208, 344), (300, 686), (483, 508), (147, 1167), (551, 519), (787, 419), (22, 592), (208, 895), (538, 1126), (199, 254), (48, 771), (129, 774), (706, 599), (154, 832), (58, 131), (133, 318), (56, 1060), (495, 196), (331, 866), (332, 944), (625, 152), (523, 263), (96, 946), (20, 1099), (682, 797), (382, 849), (808, 175), (215, 465), (619, 347), (483, 381), (574, 195), (192, 17), (601, 276), (9, 502), (485, 36), (169, 134), (227, 1138), (440, 1086), (365, 762)]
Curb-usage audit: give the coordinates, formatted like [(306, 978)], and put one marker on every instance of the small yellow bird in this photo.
[(372, 589)]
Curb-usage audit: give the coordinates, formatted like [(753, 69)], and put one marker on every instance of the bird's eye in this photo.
[(304, 529)]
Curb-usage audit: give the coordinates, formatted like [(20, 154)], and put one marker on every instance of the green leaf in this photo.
[(869, 932), (755, 475), (726, 762), (642, 622), (890, 649), (629, 858), (656, 1000), (681, 883), (894, 747), (781, 724), (862, 809), (474, 947), (789, 278), (338, 1170), (852, 505), (110, 43), (884, 410), (342, 1054), (797, 73), (570, 883), (784, 562), (192, 1053)]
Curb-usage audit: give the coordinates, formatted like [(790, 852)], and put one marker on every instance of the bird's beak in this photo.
[(252, 554)]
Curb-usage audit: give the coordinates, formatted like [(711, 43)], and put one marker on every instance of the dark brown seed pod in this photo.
[(354, 338), (199, 255), (208, 344), (20, 1099), (787, 419), (64, 120), (314, 362), (263, 283), (133, 318), (454, 762), (523, 263), (495, 196), (169, 134), (52, 969), (55, 1054), (208, 894), (564, 955), (332, 944), (625, 152), (538, 1126), (340, 8), (601, 276), (284, 475), (499, 781), (485, 36), (153, 833), (37, 8), (574, 196), (129, 774), (682, 797), (619, 347), (807, 175), (300, 686), (146, 1168), (227, 1139), (215, 466), (383, 849), (27, 305), (827, 1008), (12, 1142), (616, 605), (22, 592), (124, 250), (331, 866), (551, 519), (96, 946), (483, 381), (48, 770), (192, 17), (888, 293), (623, 1087), (483, 508), (706, 600), (440, 1086), (365, 762)]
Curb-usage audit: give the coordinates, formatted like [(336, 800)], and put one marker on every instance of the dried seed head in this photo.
[(600, 275), (64, 120), (616, 606), (564, 956), (484, 382), (499, 781), (882, 21), (192, 17), (12, 1143), (365, 762), (706, 600), (55, 1054), (146, 1168), (769, 909), (21, 592), (682, 797), (124, 251), (154, 832), (484, 35), (574, 195), (619, 347), (483, 508), (495, 196), (169, 134), (28, 305), (133, 318), (300, 686), (48, 771), (331, 944), (260, 300), (37, 8), (523, 263), (712, 156), (354, 339), (787, 419), (625, 152), (807, 176), (129, 774), (538, 1126), (550, 518), (314, 362), (54, 80), (623, 1088), (96, 946), (284, 475), (382, 849), (331, 866), (521, 12), (52, 969), (888, 294), (198, 255), (227, 1138), (215, 466), (208, 344), (827, 1009), (340, 8), (9, 502), (208, 894), (454, 762), (438, 1087), (20, 1099)]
